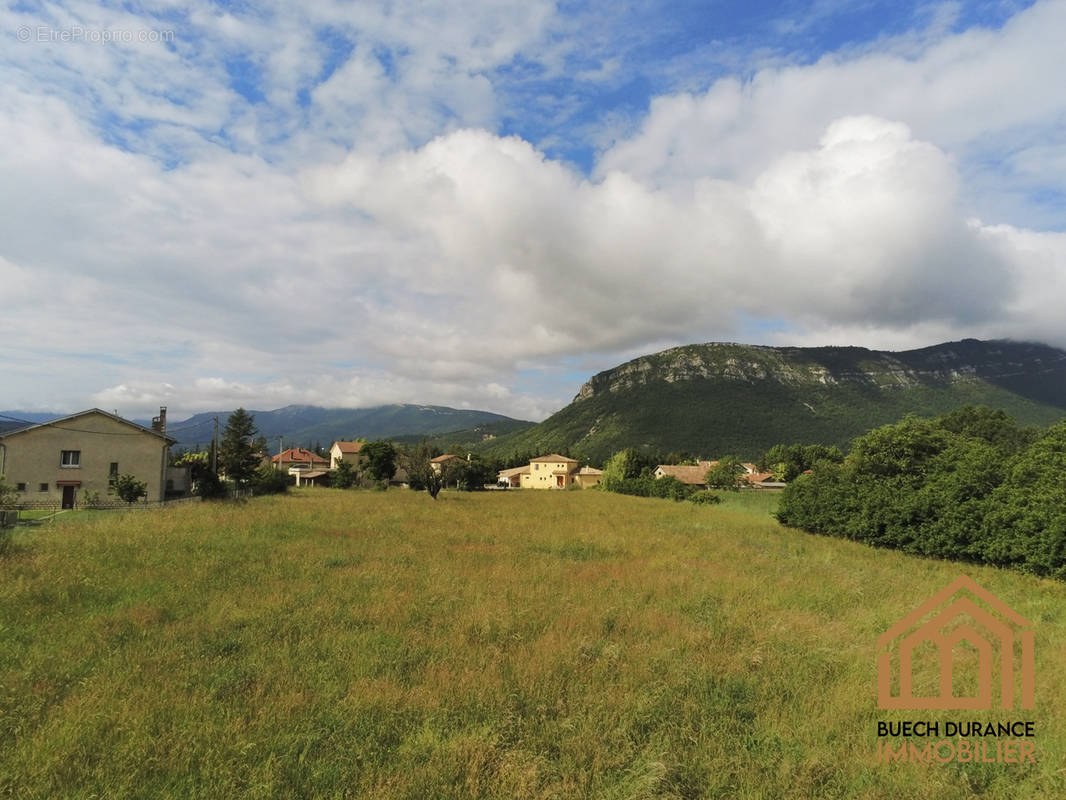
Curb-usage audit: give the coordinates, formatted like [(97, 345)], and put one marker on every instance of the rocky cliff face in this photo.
[(952, 362)]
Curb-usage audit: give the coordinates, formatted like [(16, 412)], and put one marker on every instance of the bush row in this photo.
[(971, 486)]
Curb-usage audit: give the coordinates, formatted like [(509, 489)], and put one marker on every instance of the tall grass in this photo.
[(503, 645)]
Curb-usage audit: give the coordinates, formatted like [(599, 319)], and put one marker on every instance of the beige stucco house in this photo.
[(550, 472), (512, 477), (59, 461), (588, 476), (346, 452), (440, 462)]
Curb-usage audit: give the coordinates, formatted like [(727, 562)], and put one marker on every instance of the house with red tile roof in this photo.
[(691, 474), (299, 458)]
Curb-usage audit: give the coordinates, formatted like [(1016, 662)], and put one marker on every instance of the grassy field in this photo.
[(501, 645)]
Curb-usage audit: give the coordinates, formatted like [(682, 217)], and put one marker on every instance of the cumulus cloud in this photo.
[(865, 227), (963, 91), (364, 234)]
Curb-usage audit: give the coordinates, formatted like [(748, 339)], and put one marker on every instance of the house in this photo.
[(400, 478), (311, 477), (691, 474), (440, 462), (298, 459), (549, 472), (58, 462), (761, 480), (179, 481), (588, 476), (512, 477), (347, 452)]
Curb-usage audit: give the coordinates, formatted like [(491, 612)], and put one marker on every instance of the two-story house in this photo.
[(551, 472), (349, 452), (59, 461)]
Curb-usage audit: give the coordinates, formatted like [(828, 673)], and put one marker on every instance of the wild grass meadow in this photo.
[(335, 644)]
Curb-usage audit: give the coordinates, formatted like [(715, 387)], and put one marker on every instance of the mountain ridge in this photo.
[(308, 424), (717, 397)]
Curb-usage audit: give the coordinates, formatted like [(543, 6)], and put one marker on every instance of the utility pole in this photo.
[(214, 450)]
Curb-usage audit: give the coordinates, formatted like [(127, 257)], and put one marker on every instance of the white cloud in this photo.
[(380, 243), (957, 91)]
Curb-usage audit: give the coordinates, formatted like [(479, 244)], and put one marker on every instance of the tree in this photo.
[(726, 474), (129, 489), (420, 471), (788, 462), (469, 475), (345, 476), (622, 465), (236, 454), (380, 460)]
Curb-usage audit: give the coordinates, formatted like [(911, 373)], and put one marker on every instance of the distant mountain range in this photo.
[(704, 399), (300, 425), (718, 398)]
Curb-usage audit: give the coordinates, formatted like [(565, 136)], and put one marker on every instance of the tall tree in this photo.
[(380, 460), (236, 453)]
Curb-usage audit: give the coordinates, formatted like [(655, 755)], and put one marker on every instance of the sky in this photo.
[(207, 205)]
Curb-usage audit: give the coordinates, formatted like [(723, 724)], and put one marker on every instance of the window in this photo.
[(70, 458), (20, 487), (113, 471), (43, 487)]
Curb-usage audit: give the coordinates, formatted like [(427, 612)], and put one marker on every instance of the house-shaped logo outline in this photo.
[(1004, 628)]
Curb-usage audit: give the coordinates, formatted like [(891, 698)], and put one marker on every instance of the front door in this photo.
[(68, 496)]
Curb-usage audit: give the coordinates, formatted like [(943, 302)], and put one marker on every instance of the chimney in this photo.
[(159, 424)]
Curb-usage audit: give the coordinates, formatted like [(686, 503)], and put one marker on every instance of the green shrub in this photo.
[(210, 486), (268, 480), (705, 497), (970, 486), (647, 485), (128, 489)]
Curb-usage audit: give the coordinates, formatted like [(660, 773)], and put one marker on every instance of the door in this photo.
[(68, 496)]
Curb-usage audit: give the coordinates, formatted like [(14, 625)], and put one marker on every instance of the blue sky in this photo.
[(480, 204)]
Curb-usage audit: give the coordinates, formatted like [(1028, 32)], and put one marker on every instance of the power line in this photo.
[(76, 430), (103, 433)]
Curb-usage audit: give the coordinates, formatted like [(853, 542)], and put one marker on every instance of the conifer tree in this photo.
[(237, 457)]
